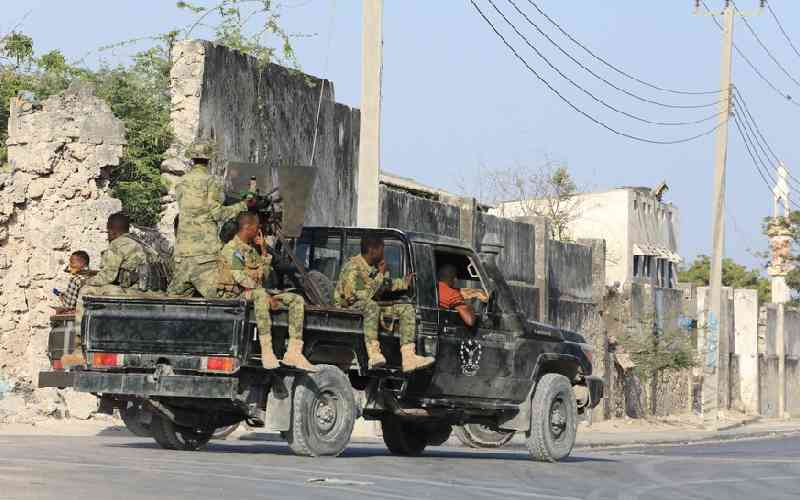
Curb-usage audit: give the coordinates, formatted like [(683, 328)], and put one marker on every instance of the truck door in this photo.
[(472, 361)]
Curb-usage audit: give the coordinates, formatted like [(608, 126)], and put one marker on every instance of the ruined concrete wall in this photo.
[(263, 114), (570, 284), (54, 200), (405, 211)]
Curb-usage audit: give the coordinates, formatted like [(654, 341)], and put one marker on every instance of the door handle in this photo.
[(450, 329)]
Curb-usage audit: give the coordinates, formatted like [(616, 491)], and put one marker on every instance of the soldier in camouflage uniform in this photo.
[(241, 273), (118, 275), (197, 243), (361, 281)]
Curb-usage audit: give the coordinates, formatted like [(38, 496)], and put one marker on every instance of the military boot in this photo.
[(268, 359), (376, 359), (413, 362), (74, 359), (294, 357)]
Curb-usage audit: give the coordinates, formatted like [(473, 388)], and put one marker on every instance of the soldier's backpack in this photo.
[(153, 274)]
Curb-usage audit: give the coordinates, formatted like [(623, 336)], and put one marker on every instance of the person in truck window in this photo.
[(78, 268), (362, 280), (241, 272), (197, 244), (118, 275), (451, 297)]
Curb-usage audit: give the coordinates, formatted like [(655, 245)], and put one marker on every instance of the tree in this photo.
[(733, 275), (547, 190)]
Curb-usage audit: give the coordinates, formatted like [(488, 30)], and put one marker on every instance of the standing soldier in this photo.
[(197, 243), (120, 266), (362, 279), (241, 273)]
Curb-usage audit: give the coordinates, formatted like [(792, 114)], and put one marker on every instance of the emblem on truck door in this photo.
[(470, 354)]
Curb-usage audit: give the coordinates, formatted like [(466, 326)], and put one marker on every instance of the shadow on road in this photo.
[(361, 451)]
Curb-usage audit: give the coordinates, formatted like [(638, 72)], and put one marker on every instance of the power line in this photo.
[(766, 49), (615, 68), (575, 107), (780, 26), (604, 80), (758, 134), (758, 161), (747, 60), (578, 86)]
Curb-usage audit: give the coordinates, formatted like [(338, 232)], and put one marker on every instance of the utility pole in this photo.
[(369, 149), (713, 316)]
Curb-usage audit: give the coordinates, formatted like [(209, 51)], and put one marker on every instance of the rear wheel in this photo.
[(554, 419), (131, 414), (481, 436), (437, 433), (323, 413), (404, 437), (174, 437)]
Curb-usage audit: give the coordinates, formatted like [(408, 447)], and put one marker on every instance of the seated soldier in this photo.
[(118, 274), (361, 282), (454, 298), (241, 272)]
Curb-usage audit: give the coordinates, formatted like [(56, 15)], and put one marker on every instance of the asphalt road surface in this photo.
[(118, 466)]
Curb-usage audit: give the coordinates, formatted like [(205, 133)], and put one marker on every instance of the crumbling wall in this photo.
[(54, 199), (262, 114)]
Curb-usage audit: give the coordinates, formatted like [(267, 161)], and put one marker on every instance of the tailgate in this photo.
[(164, 326)]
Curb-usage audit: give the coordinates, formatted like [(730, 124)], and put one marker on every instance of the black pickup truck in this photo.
[(183, 368)]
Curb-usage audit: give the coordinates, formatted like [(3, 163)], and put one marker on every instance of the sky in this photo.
[(456, 100)]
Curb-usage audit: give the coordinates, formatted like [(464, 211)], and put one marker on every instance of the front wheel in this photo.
[(323, 413), (175, 437), (554, 419)]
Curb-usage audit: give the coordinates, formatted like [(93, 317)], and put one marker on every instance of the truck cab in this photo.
[(189, 366)]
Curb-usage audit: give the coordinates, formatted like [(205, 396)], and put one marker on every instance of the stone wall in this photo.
[(262, 114), (54, 199)]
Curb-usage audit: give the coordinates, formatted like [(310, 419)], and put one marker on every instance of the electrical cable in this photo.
[(766, 49), (758, 134), (578, 86), (750, 63), (575, 107), (757, 160), (780, 26), (615, 68), (604, 80)]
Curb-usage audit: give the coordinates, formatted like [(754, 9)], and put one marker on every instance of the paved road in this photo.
[(117, 466)]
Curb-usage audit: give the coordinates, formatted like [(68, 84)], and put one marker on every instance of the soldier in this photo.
[(118, 275), (362, 279), (241, 272), (197, 241)]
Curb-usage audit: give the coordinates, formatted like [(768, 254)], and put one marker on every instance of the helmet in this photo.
[(200, 150)]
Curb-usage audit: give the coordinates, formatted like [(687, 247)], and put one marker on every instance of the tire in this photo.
[(174, 437), (481, 436), (323, 413), (554, 419), (403, 437), (223, 432), (437, 433), (130, 414)]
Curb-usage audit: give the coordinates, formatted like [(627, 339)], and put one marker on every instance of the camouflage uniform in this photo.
[(118, 275), (197, 243), (359, 284), (241, 273)]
